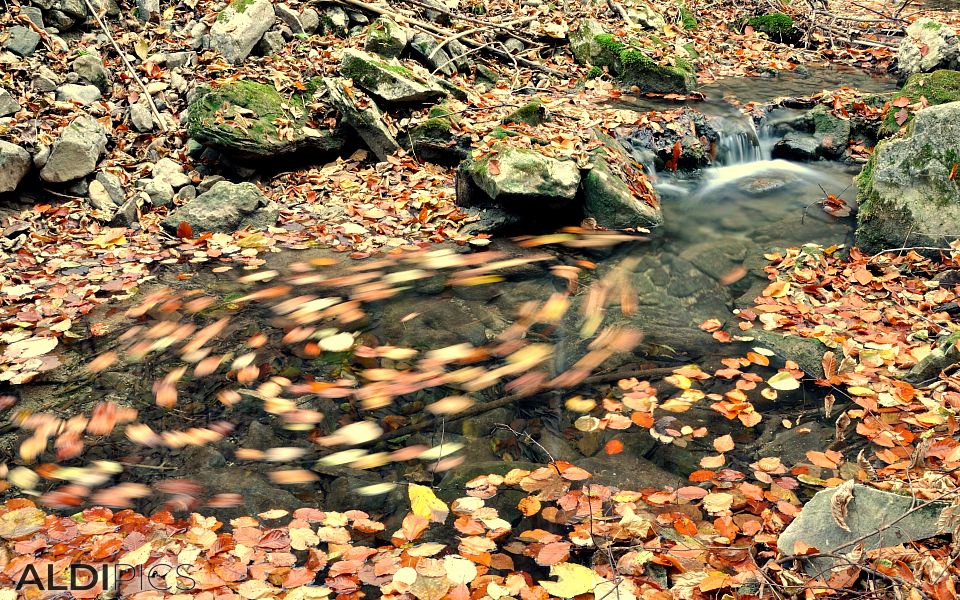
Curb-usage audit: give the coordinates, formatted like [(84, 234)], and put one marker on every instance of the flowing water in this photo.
[(718, 224)]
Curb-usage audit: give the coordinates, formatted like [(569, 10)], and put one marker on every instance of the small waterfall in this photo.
[(740, 142)]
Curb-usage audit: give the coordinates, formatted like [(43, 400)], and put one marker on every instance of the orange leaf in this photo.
[(184, 231), (613, 447), (723, 443)]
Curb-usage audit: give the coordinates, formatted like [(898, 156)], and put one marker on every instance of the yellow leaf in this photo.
[(861, 391), (572, 580), (20, 522), (137, 557), (783, 381), (255, 589), (424, 503), (717, 502), (459, 570)]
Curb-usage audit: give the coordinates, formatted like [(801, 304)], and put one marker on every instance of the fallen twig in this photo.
[(161, 122)]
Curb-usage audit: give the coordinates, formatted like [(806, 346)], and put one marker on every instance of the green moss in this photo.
[(439, 111), (773, 24), (435, 128), (635, 58), (238, 6), (531, 113), (932, 25), (691, 50), (608, 43), (502, 133), (938, 87), (687, 19), (594, 72)]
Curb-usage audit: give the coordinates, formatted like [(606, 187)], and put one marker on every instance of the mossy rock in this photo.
[(386, 38), (608, 188), (642, 71), (687, 18), (434, 140), (778, 26), (905, 192), (389, 81), (240, 119), (532, 113), (938, 87)]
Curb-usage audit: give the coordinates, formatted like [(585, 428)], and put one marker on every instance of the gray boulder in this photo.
[(877, 519), (72, 8), (15, 163), (521, 180), (386, 38), (34, 14), (90, 69), (796, 146), (61, 20), (99, 199), (366, 121), (929, 45), (141, 118), (290, 18), (390, 81), (427, 50), (612, 186), (83, 95), (170, 172), (310, 19), (271, 43), (160, 192), (22, 40), (76, 152), (147, 10), (8, 104), (226, 207), (905, 192), (239, 27), (112, 185)]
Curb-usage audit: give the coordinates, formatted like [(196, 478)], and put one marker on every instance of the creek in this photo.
[(704, 261)]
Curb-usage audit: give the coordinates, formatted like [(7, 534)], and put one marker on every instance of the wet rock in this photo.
[(76, 151), (260, 436), (160, 192), (438, 324), (905, 192), (257, 493), (83, 95), (8, 104), (453, 483), (366, 121), (427, 50), (391, 82), (796, 146), (22, 40), (90, 69), (271, 43), (929, 45), (226, 207), (15, 163), (262, 105), (239, 27), (386, 38), (875, 518), (629, 472), (521, 180), (608, 194), (806, 352), (791, 445), (141, 118), (695, 149), (762, 184)]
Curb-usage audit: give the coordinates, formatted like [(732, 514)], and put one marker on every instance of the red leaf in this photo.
[(901, 102), (184, 231)]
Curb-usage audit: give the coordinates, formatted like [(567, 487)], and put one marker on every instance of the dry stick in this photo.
[(123, 57), (433, 29), (467, 32), (474, 20)]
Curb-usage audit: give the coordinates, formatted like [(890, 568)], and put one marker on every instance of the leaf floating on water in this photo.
[(340, 342), (424, 503), (572, 580), (783, 381)]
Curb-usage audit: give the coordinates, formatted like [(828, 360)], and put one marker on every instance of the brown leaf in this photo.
[(838, 504)]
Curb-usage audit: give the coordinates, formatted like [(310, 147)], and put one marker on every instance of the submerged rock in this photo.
[(875, 518), (241, 118), (906, 194), (615, 189), (239, 27), (389, 81), (226, 207), (929, 45)]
